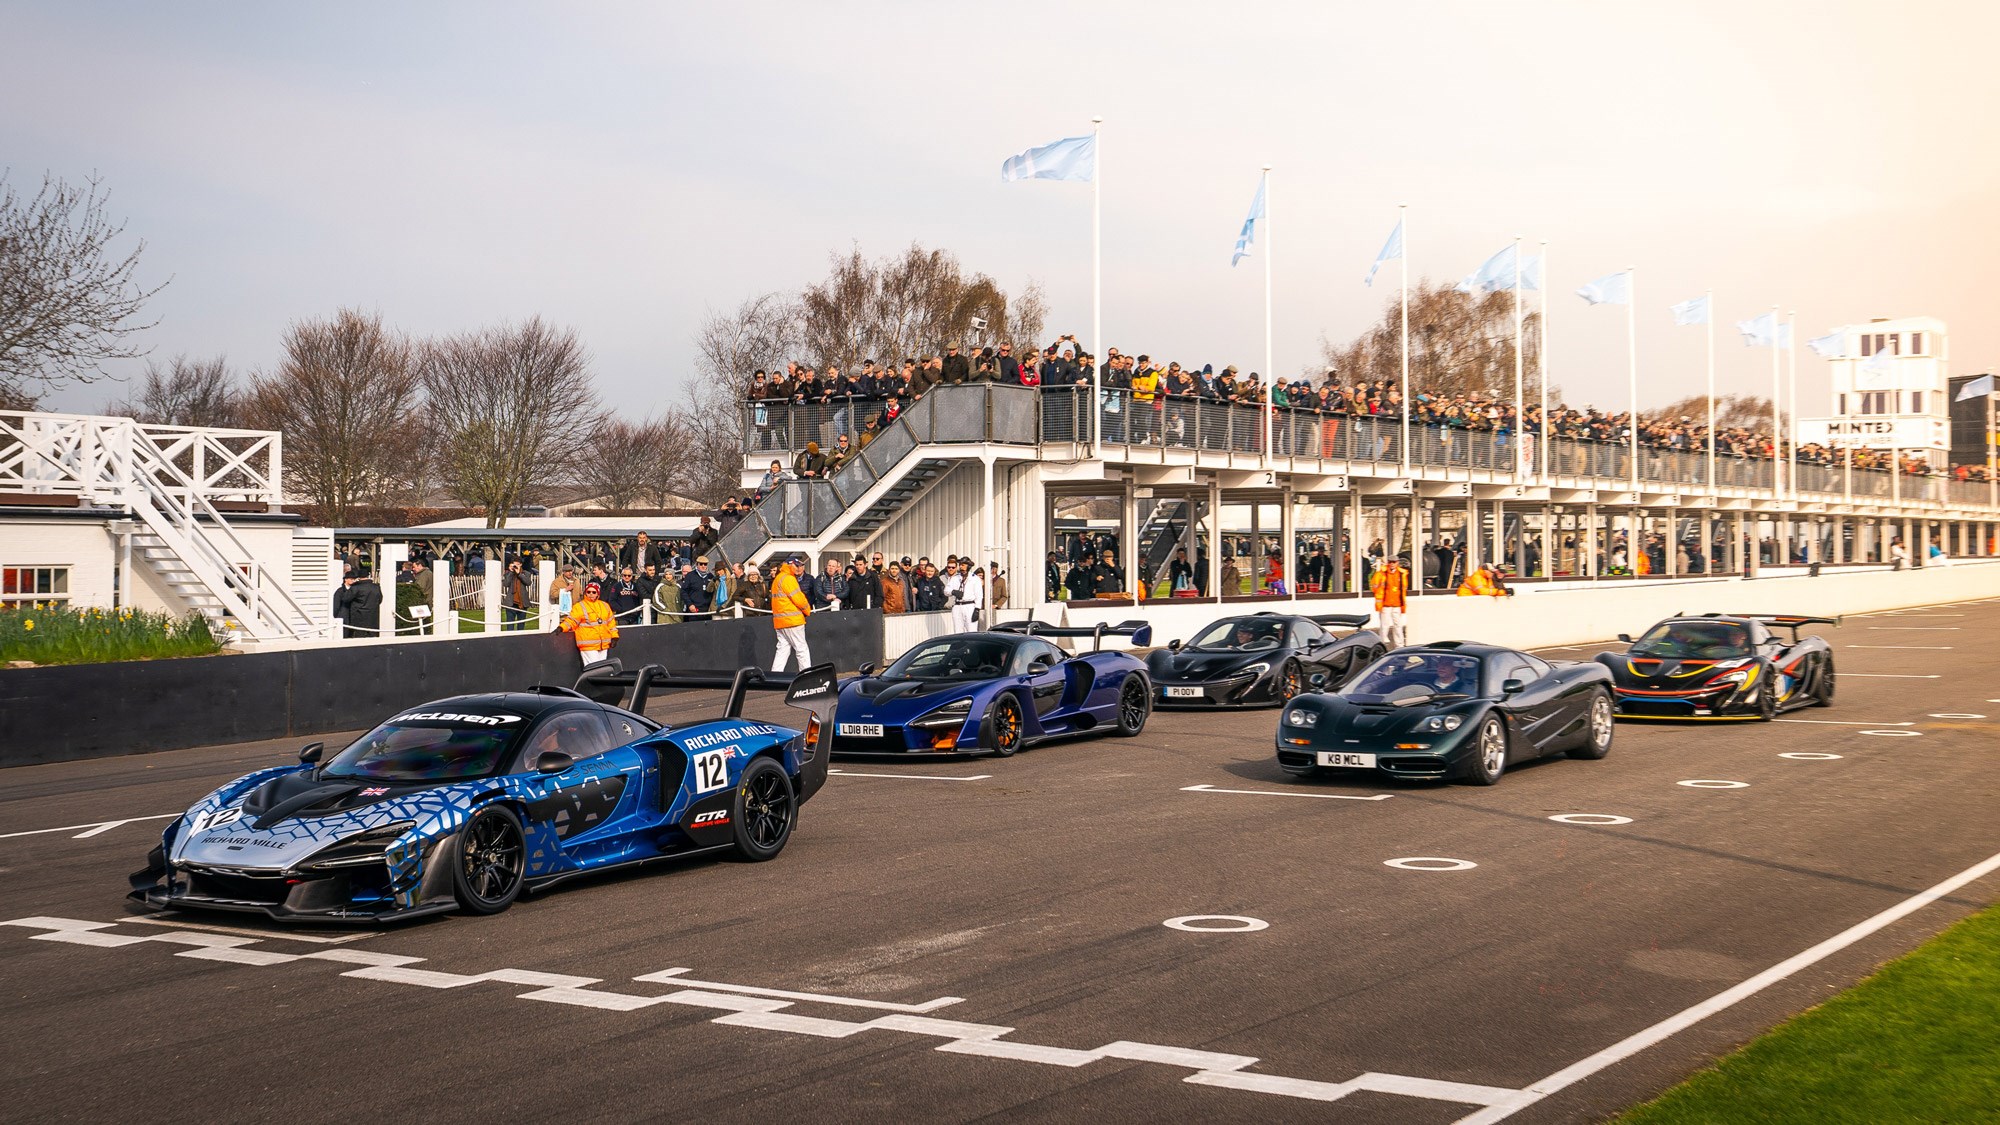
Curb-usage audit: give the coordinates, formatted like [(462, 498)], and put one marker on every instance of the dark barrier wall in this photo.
[(99, 710)]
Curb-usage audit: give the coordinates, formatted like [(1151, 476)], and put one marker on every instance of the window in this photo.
[(580, 734), (1916, 343), (1867, 345), (1874, 402), (1841, 401), (1896, 342), (1916, 402), (34, 585)]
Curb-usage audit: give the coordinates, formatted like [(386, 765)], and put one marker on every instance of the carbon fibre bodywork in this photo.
[(1284, 656), (1749, 674)]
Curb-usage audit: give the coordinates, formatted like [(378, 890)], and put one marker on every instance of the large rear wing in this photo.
[(1350, 620), (1790, 621), (815, 691), (1141, 632)]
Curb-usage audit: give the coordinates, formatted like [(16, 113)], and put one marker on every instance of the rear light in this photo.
[(812, 731)]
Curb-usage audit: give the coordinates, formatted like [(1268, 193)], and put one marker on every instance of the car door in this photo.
[(1315, 651), (1535, 710), (1042, 671), (583, 798)]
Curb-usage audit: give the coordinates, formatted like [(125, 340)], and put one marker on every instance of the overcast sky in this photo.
[(625, 168)]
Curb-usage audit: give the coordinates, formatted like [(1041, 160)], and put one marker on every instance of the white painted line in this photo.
[(1429, 863), (1589, 818), (913, 776), (1903, 613), (673, 976), (271, 935), (1632, 1044), (1955, 715), (91, 829), (1896, 733), (1893, 676), (1840, 723), (1913, 628), (1906, 648), (744, 1006), (1278, 793), (1236, 924), (1710, 783)]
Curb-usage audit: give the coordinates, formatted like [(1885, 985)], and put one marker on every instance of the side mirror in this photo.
[(1173, 646), (868, 669), (1626, 637), (1512, 687), (311, 753), (1317, 681), (553, 761)]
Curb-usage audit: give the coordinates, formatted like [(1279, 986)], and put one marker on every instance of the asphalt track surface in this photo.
[(998, 926)]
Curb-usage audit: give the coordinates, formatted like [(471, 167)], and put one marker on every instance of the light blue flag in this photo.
[(1249, 233), (1759, 331), (1692, 312), (1881, 363), (1977, 388), (1611, 289), (1531, 273), (1827, 347), (1493, 274), (1073, 158), (1391, 250), (1784, 335)]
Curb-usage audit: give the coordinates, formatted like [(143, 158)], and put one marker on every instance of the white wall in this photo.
[(1577, 613)]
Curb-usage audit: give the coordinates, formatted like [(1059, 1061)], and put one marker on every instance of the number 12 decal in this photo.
[(711, 771)]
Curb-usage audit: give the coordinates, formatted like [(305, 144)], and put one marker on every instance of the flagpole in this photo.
[(1777, 427), (1403, 259), (1792, 365), (1096, 282), (1632, 371), (1518, 419), (1542, 441), (1711, 391), (1270, 371)]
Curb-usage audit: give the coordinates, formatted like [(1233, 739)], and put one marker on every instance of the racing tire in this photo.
[(1767, 696), (1135, 706), (1003, 729), (489, 863), (766, 809), (1489, 752), (1291, 682), (1599, 725), (1823, 694)]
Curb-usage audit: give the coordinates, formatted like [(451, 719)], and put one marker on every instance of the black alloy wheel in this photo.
[(1823, 691), (490, 866), (1291, 681), (1135, 705), (1767, 693), (1599, 725), (1489, 752), (766, 810), (1004, 727)]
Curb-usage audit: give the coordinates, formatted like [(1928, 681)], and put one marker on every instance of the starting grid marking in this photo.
[(764, 1009), (89, 830)]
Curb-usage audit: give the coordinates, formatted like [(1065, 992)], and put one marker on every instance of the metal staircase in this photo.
[(926, 472), (171, 480)]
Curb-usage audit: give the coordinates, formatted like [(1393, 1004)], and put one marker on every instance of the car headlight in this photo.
[(1256, 669), (213, 818), (1740, 676), (950, 715), (1302, 718), (1442, 722)]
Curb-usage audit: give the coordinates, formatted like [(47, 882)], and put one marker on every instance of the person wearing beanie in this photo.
[(595, 626)]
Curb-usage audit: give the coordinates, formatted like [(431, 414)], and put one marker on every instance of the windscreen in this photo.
[(1694, 640), (952, 658), (1240, 634), (441, 748), (1416, 675)]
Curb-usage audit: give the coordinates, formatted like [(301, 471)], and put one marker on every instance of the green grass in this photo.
[(53, 635), (1919, 1041)]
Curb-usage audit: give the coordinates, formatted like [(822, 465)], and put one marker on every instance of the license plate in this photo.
[(859, 730), (1183, 693), (1352, 761)]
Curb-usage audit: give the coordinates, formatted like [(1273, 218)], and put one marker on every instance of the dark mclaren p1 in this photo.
[(1722, 666), (1262, 660), (1453, 709)]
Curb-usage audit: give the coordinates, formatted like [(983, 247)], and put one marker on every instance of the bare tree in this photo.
[(345, 397), (187, 392), (902, 306), (517, 406), (68, 301), (633, 461), (713, 466), (1460, 344), (1746, 411)]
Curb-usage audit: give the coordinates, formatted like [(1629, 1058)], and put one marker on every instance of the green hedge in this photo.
[(63, 635)]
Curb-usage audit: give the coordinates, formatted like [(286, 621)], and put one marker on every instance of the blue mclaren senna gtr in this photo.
[(465, 803)]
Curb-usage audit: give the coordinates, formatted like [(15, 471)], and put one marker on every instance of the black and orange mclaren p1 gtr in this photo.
[(1722, 666)]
